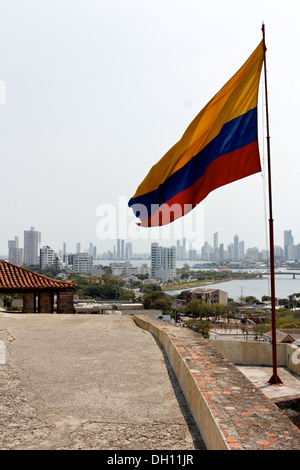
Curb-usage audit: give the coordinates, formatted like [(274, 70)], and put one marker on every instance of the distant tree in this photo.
[(158, 300), (148, 288), (287, 322), (161, 304), (194, 307), (185, 275), (260, 328), (142, 276), (7, 301), (127, 295), (293, 301), (199, 326), (250, 299)]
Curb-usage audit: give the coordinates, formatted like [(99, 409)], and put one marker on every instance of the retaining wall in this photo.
[(230, 412), (258, 353)]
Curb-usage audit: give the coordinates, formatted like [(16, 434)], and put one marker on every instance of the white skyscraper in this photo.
[(47, 257), (163, 262), (15, 254), (288, 245), (32, 241), (236, 248)]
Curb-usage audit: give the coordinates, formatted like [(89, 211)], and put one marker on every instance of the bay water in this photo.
[(285, 285)]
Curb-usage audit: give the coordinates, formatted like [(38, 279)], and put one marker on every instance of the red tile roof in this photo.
[(15, 278)]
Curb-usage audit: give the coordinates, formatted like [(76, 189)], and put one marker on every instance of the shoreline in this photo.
[(187, 286)]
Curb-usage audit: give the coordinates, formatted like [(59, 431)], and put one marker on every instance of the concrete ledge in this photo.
[(250, 352), (230, 412), (258, 353)]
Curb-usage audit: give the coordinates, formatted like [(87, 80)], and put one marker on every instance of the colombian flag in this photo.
[(220, 146)]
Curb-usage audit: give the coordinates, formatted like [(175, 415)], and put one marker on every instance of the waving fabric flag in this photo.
[(220, 146)]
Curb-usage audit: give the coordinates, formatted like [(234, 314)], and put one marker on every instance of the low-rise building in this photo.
[(126, 269), (284, 335), (209, 296)]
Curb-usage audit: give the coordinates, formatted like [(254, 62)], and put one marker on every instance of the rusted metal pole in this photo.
[(274, 380)]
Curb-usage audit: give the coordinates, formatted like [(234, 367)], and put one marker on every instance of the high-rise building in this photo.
[(47, 257), (120, 249), (163, 262), (253, 254), (230, 250), (206, 252), (15, 253), (216, 241), (78, 248), (128, 250), (32, 241), (91, 249), (241, 250), (64, 254), (183, 248), (192, 254), (288, 241), (82, 263), (222, 252), (297, 252), (236, 248)]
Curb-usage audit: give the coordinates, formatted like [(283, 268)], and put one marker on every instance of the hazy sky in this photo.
[(94, 92)]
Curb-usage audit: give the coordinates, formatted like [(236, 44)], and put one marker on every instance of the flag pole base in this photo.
[(275, 380)]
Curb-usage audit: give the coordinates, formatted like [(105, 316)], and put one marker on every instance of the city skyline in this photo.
[(141, 246), (212, 250)]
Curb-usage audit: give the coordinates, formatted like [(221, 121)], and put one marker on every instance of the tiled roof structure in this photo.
[(16, 279)]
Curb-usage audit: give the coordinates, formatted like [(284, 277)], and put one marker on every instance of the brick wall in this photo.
[(231, 413)]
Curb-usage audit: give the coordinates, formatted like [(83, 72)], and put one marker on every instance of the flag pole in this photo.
[(274, 380)]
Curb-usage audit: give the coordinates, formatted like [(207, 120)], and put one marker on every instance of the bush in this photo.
[(199, 326)]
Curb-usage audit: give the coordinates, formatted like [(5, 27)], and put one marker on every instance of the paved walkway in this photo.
[(88, 382)]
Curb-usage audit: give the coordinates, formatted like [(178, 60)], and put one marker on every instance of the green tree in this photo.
[(250, 299), (158, 300), (148, 288), (199, 326), (260, 328), (194, 308), (293, 301), (127, 295), (287, 322), (265, 298), (7, 301)]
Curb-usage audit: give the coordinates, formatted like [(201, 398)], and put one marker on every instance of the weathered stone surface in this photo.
[(89, 382)]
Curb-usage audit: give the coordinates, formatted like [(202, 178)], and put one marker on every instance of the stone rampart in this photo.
[(230, 412)]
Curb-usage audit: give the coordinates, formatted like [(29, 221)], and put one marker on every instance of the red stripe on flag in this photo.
[(224, 170)]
